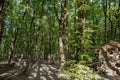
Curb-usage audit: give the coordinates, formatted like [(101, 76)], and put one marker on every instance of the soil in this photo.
[(41, 70)]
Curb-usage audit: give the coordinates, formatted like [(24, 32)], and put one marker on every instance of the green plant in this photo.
[(80, 72)]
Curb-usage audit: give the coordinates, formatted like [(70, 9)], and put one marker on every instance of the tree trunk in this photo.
[(82, 21), (81, 39), (105, 15), (13, 41), (119, 18), (1, 25), (61, 22), (61, 35)]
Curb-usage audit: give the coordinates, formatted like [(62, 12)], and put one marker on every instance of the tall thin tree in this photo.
[(105, 21), (61, 22)]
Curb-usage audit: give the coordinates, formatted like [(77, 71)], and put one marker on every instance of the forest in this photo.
[(59, 39)]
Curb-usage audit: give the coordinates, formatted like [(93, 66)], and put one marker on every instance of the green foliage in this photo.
[(41, 36), (80, 72), (89, 58)]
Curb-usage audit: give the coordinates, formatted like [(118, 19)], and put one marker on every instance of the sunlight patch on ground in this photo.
[(4, 74), (30, 77), (42, 78), (41, 69), (52, 67), (51, 77), (35, 69), (33, 75), (45, 67), (60, 75)]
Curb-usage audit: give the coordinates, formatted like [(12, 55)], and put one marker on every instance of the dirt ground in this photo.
[(41, 70)]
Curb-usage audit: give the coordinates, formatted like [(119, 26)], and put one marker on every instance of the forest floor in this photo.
[(41, 70)]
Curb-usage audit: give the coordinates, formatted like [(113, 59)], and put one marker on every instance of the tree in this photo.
[(81, 33), (3, 7), (61, 22)]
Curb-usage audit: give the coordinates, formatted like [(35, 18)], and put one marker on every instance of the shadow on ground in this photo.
[(108, 77), (41, 70)]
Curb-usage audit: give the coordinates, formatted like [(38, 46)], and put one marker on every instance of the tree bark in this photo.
[(61, 35), (119, 18), (61, 22), (82, 20), (105, 24)]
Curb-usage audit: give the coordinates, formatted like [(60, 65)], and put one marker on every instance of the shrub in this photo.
[(80, 72)]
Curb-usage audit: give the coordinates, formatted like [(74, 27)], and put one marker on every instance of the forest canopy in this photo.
[(60, 30)]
